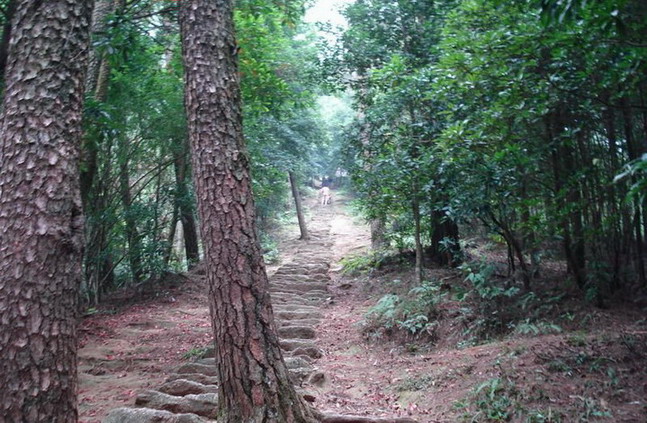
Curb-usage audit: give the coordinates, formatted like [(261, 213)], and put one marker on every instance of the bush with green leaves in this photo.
[(414, 314)]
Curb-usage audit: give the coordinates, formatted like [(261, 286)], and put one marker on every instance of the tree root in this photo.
[(336, 418)]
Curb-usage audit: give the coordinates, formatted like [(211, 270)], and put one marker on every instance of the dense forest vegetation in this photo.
[(529, 121), (525, 117), (520, 122)]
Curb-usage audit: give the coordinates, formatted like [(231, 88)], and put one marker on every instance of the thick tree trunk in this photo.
[(41, 221), (297, 205), (254, 381)]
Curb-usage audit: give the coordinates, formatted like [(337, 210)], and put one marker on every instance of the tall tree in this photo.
[(254, 382), (41, 221)]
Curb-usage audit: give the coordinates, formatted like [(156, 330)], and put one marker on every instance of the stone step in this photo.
[(208, 370), (182, 387), (297, 314), (205, 405), (297, 322), (194, 377), (288, 307), (297, 332), (298, 347)]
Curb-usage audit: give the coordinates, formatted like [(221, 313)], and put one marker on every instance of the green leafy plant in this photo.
[(195, 353), (494, 400)]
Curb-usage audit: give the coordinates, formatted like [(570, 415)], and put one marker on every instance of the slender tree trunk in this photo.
[(10, 10), (560, 155), (132, 233), (415, 208), (168, 252), (185, 202), (297, 205), (378, 242), (41, 221), (254, 381), (96, 85), (99, 271), (634, 152)]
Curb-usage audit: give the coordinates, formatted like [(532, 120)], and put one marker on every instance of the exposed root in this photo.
[(336, 418)]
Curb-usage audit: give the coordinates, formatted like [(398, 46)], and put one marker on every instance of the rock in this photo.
[(298, 322), (299, 375), (298, 308), (203, 404), (317, 379), (296, 362), (297, 332), (146, 415), (211, 361), (182, 387), (312, 352), (194, 377), (309, 397), (204, 369), (298, 314)]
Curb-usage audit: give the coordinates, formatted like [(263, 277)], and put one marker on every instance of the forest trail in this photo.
[(151, 354)]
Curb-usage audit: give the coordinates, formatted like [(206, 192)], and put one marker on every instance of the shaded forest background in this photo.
[(521, 123)]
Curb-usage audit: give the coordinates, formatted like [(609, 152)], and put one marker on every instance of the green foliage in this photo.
[(195, 353), (414, 313), (486, 288), (270, 250), (516, 115), (139, 132), (494, 400), (361, 264), (527, 327)]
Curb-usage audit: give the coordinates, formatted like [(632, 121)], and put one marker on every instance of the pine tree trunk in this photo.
[(41, 221), (254, 382), (297, 205)]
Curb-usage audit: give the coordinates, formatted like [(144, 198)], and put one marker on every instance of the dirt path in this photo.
[(129, 352), (150, 355)]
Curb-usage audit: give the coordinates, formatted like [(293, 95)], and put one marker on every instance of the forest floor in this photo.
[(591, 369)]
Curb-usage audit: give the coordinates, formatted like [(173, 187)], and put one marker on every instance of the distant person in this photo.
[(325, 195)]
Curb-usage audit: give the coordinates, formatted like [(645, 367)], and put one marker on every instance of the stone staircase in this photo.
[(298, 289)]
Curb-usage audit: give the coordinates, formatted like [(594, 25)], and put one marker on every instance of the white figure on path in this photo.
[(325, 196)]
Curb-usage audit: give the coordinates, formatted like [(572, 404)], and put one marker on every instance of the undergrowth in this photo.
[(490, 305), (414, 313)]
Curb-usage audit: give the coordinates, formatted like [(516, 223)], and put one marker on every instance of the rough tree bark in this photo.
[(41, 222), (254, 382), (297, 205)]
